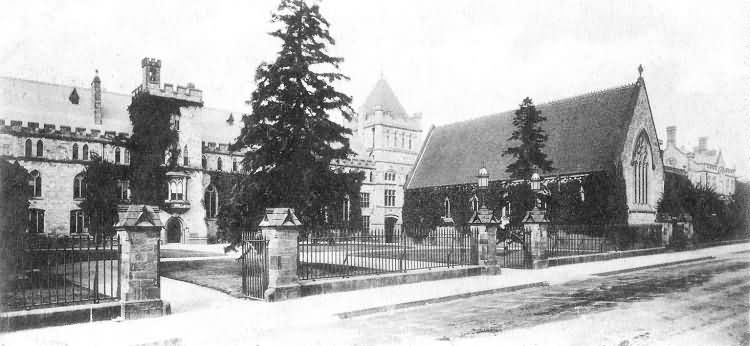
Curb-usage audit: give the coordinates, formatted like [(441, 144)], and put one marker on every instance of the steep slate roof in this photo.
[(382, 95), (47, 103), (585, 134)]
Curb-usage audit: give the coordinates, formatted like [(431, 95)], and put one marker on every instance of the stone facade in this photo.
[(65, 117), (701, 165), (386, 135), (642, 124)]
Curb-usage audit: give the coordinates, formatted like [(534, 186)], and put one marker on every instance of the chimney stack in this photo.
[(671, 135), (702, 144), (96, 98)]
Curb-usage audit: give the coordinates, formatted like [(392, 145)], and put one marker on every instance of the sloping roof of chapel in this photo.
[(585, 134)]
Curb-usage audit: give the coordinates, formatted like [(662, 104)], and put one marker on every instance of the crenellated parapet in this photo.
[(185, 93), (220, 148), (62, 132)]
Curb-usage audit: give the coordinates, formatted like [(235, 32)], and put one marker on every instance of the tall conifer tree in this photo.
[(289, 134), (531, 138)]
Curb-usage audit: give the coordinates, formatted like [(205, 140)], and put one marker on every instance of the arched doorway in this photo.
[(390, 225), (174, 230)]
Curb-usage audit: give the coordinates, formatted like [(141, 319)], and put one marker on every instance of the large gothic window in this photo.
[(210, 201), (641, 167)]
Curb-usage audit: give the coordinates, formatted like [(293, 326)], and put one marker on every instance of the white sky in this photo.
[(450, 60)]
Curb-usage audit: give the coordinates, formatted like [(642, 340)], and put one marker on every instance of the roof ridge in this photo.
[(566, 99), (590, 93), (62, 85)]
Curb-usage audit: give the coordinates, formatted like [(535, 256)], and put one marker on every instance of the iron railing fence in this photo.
[(572, 240), (339, 251), (514, 247), (254, 269), (39, 271)]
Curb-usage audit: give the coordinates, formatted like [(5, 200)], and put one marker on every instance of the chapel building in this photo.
[(608, 131)]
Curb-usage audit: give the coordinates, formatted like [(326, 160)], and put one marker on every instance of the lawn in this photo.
[(220, 274)]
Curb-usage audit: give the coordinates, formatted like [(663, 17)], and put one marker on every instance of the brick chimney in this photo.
[(672, 135), (96, 98), (702, 144)]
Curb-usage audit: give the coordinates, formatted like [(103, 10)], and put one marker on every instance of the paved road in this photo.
[(700, 303)]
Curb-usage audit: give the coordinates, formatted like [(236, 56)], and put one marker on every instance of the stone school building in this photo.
[(53, 131), (605, 133)]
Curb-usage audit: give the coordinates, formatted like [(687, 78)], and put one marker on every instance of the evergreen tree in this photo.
[(100, 205), (16, 193), (528, 153), (290, 136)]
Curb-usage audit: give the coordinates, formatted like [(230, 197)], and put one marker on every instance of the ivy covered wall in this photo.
[(602, 201), (153, 133)]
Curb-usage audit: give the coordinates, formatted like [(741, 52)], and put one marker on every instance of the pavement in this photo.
[(204, 316)]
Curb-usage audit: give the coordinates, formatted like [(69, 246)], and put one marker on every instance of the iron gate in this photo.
[(514, 244), (254, 262)]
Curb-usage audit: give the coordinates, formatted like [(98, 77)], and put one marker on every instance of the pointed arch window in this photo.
[(75, 151), (28, 149), (210, 202), (474, 201), (85, 152), (79, 187), (204, 162), (234, 165), (117, 155), (641, 167), (185, 156), (39, 148), (218, 164), (36, 184), (126, 154), (447, 208)]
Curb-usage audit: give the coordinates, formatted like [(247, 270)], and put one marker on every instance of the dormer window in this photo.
[(73, 98)]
